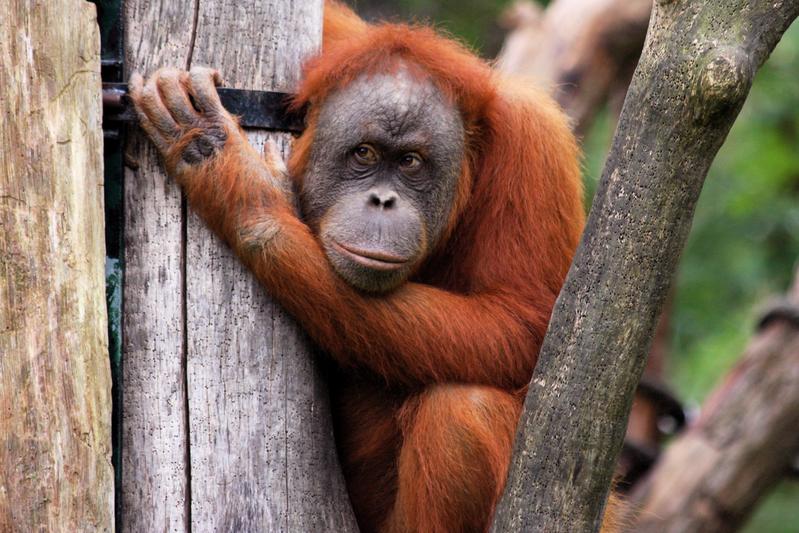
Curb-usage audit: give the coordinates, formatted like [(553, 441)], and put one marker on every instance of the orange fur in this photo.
[(431, 375), (340, 23)]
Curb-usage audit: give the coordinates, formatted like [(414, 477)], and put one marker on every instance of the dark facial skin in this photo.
[(382, 177)]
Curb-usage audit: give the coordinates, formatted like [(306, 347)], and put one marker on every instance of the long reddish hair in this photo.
[(518, 213)]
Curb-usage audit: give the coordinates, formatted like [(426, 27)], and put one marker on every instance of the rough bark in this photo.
[(585, 51), (694, 74), (655, 413), (741, 446), (642, 427), (230, 428), (55, 380)]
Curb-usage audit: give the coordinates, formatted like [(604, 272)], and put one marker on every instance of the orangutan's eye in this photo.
[(365, 155), (411, 162)]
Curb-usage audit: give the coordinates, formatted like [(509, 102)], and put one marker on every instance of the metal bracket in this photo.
[(780, 310), (255, 109)]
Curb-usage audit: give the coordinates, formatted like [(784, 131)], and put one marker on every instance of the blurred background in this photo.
[(744, 244)]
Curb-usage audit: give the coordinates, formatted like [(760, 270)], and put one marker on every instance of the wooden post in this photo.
[(226, 423), (55, 380)]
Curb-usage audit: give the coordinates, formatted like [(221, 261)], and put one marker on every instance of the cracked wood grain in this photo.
[(250, 371), (154, 479), (232, 417), (55, 379)]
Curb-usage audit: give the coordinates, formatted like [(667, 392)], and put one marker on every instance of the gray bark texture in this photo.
[(714, 474), (693, 76), (585, 52), (226, 419), (55, 377)]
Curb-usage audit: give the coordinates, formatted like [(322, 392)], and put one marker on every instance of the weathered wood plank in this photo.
[(219, 385), (261, 435), (154, 486), (55, 381)]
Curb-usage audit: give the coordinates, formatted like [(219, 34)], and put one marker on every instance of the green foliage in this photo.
[(595, 148), (468, 19), (472, 21), (745, 238), (779, 513), (743, 247)]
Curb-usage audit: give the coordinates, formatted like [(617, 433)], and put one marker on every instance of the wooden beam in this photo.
[(154, 478), (229, 423), (55, 380)]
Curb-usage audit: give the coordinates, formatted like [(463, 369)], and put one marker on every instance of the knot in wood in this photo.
[(723, 83)]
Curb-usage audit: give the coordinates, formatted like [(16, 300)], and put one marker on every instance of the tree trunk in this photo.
[(693, 76), (585, 51), (55, 380), (226, 418), (713, 475)]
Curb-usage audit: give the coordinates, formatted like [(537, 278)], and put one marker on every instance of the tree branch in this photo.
[(585, 51), (693, 76), (742, 445)]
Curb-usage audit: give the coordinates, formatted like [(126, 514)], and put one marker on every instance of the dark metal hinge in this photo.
[(265, 110), (782, 310)]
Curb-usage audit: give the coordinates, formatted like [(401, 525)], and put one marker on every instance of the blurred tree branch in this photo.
[(713, 475), (695, 72), (585, 50)]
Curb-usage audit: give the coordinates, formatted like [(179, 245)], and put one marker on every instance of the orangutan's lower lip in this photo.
[(376, 260)]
